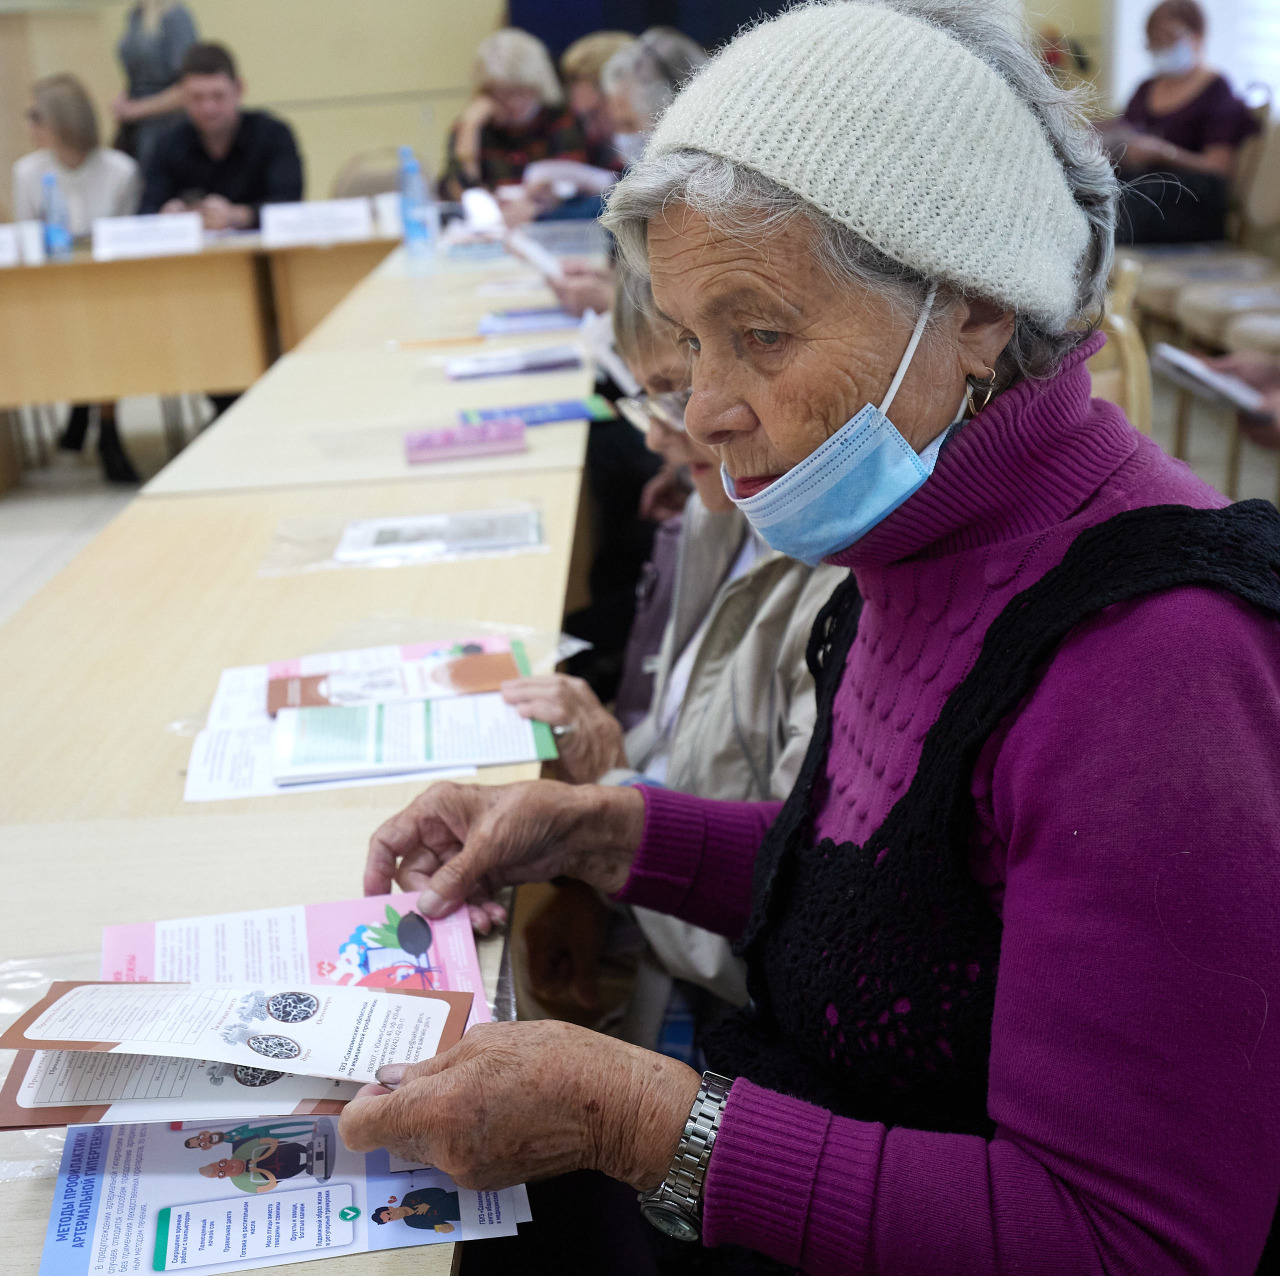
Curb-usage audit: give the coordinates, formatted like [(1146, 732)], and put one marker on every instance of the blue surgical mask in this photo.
[(839, 492), (1177, 59)]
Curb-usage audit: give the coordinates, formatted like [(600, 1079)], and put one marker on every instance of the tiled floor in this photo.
[(59, 509)]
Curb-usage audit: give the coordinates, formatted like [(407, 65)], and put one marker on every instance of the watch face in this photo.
[(667, 1219)]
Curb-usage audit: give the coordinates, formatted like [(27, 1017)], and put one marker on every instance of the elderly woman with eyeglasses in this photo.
[(1011, 940)]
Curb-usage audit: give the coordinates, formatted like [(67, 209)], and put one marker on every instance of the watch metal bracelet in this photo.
[(682, 1188)]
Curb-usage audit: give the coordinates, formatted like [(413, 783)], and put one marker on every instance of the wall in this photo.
[(347, 76)]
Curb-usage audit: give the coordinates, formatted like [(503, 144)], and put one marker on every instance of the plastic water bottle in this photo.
[(57, 219), (418, 210)]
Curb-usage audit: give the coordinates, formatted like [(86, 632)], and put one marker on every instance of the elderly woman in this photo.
[(518, 115), (1011, 939), (732, 705)]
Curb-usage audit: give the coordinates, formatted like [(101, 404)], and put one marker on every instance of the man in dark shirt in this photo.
[(221, 161)]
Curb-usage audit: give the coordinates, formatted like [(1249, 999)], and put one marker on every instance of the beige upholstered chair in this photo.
[(372, 172)]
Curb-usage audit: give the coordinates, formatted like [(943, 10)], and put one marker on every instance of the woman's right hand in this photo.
[(466, 146), (461, 843)]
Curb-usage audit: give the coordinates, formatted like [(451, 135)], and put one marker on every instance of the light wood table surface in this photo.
[(107, 872), (338, 408), (307, 283), (88, 331), (133, 634)]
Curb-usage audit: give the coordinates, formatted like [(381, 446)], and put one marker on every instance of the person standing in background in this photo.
[(156, 37), (94, 181), (221, 161), (517, 116)]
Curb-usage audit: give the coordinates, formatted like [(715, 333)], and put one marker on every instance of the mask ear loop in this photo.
[(916, 333)]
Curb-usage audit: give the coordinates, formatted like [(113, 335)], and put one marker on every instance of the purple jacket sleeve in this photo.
[(1135, 1065), (696, 857)]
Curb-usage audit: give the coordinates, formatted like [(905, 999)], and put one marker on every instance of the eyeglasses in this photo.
[(646, 410)]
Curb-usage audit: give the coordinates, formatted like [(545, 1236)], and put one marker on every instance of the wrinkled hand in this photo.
[(1141, 149), (664, 495), (175, 205), (594, 746), (584, 287), (518, 1101), (1253, 367), (518, 210), (563, 942), (461, 843)]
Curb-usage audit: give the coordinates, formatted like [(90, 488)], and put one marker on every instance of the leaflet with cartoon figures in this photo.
[(242, 1195), (376, 942), (346, 1034)]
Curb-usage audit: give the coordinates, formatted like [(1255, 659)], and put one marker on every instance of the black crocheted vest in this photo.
[(872, 969)]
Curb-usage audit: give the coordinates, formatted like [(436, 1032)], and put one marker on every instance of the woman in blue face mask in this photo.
[(1179, 137), (1011, 938)]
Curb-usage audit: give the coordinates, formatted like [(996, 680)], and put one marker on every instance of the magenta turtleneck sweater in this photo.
[(1128, 831)]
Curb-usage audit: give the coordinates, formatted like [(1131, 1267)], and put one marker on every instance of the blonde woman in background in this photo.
[(95, 181), (156, 37), (518, 115), (581, 65)]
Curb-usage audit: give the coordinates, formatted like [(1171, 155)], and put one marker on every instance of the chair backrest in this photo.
[(1121, 371), (1261, 203), (371, 172)]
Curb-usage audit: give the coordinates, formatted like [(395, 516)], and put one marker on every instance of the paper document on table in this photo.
[(337, 1032), (424, 538), (243, 1195), (379, 941), (389, 739), (75, 1087), (503, 323), (227, 763), (513, 361)]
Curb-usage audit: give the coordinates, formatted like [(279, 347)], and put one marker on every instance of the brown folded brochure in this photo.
[(13, 1116)]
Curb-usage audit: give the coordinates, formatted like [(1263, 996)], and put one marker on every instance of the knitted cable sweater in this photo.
[(1127, 830)]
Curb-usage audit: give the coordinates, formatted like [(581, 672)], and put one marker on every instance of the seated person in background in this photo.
[(1184, 121), (733, 704), (221, 161), (94, 181), (638, 81), (517, 116), (580, 67)]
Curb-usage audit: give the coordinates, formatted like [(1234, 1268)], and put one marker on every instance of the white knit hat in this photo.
[(892, 127)]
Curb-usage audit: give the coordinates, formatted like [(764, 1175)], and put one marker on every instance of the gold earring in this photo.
[(985, 385)]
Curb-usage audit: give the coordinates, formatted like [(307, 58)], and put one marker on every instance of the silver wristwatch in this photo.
[(675, 1205)]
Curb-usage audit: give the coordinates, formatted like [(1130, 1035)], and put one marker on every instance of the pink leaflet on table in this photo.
[(409, 651), (354, 943), (485, 438), (129, 953)]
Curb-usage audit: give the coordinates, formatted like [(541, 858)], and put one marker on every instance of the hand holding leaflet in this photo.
[(343, 1033)]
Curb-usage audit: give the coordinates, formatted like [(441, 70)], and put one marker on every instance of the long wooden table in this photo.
[(104, 671)]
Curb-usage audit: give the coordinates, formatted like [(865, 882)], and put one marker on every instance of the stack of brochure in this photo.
[(372, 715), (202, 1094)]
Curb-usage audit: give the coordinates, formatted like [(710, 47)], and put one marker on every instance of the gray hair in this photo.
[(742, 203), (653, 69), (514, 57)]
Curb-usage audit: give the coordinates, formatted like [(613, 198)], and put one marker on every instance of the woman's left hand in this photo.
[(518, 1101), (592, 741)]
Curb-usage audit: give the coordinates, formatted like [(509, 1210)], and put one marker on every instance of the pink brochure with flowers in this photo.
[(381, 941)]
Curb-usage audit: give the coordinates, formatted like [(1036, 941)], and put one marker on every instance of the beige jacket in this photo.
[(747, 714)]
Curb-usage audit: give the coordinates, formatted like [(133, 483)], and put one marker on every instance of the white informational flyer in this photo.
[(243, 1195), (116, 1088), (404, 738), (514, 361), (1203, 381), (344, 1033), (424, 538), (233, 756)]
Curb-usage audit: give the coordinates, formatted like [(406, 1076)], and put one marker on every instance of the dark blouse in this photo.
[(505, 154), (1214, 117)]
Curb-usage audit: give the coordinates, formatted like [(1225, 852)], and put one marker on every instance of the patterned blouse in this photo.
[(504, 153)]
